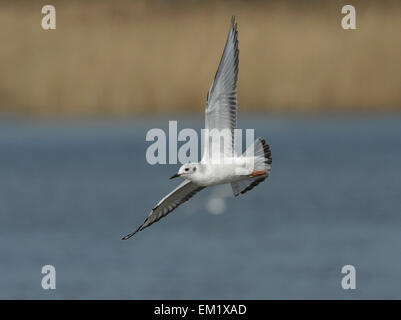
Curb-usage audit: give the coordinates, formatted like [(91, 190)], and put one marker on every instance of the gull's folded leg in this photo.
[(256, 173)]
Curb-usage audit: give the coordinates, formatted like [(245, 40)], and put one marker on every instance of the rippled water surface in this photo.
[(69, 190)]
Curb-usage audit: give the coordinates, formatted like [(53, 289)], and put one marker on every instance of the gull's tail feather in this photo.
[(261, 155)]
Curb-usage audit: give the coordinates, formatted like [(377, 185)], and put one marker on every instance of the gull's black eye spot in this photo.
[(194, 169), (186, 169)]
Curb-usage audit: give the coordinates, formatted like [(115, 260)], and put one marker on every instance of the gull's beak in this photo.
[(174, 176)]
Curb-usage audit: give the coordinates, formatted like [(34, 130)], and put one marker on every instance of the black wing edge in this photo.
[(268, 160), (234, 27), (142, 226)]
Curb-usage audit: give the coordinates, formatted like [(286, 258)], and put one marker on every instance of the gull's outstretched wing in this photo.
[(221, 105), (171, 201)]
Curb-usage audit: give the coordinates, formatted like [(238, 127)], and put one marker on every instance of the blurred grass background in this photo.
[(132, 57)]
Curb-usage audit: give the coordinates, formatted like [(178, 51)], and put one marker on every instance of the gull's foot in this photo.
[(257, 173)]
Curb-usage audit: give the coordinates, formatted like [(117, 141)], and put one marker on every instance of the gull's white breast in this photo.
[(226, 171)]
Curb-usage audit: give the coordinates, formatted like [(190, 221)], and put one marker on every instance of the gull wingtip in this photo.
[(131, 234), (127, 237), (234, 22)]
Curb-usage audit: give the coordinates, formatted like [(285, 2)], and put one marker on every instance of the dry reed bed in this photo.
[(130, 57)]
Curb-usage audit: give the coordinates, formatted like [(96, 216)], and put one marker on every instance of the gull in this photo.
[(219, 163)]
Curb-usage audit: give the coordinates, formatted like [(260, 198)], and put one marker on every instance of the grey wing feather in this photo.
[(171, 201), (221, 106), (241, 187)]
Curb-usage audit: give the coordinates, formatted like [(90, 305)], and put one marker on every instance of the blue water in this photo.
[(69, 190)]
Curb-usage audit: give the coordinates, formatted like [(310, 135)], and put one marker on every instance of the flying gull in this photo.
[(219, 163)]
